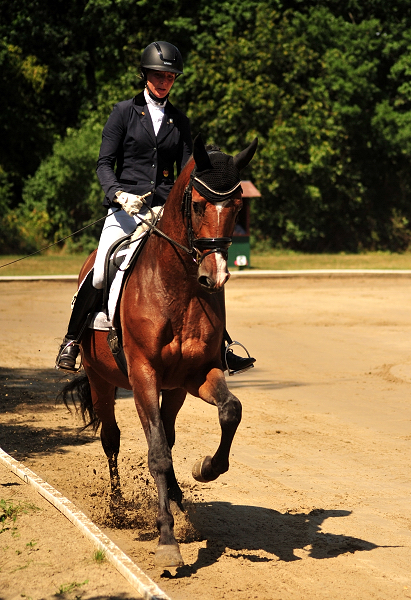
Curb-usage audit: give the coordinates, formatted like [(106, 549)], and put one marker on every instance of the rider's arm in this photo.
[(111, 151)]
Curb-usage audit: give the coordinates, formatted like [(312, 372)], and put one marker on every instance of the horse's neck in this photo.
[(160, 255), (173, 259), (166, 275), (173, 221)]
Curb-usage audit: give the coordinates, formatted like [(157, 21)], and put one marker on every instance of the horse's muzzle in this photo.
[(212, 274)]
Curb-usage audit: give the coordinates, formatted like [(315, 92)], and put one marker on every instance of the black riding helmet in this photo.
[(161, 56)]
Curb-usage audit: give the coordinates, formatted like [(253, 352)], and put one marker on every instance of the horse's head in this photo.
[(212, 202)]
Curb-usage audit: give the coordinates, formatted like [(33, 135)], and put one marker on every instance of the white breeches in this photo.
[(116, 225)]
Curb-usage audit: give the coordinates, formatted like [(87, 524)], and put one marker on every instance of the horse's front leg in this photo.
[(215, 391), (171, 402), (161, 468)]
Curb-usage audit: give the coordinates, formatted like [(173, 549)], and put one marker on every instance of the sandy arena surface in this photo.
[(316, 504)]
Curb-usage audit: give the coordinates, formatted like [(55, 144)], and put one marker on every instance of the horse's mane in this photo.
[(181, 181)]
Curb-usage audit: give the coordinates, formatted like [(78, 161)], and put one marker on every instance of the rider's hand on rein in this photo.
[(130, 203)]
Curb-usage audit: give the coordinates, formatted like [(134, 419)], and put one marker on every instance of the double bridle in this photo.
[(198, 248), (201, 247)]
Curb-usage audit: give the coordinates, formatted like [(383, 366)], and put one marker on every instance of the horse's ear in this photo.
[(242, 159), (200, 154)]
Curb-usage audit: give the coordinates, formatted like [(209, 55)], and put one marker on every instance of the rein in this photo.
[(198, 248), (55, 243), (152, 227)]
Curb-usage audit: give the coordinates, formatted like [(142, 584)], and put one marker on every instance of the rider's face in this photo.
[(160, 82)]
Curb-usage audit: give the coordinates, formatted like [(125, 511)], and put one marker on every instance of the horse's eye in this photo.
[(198, 208)]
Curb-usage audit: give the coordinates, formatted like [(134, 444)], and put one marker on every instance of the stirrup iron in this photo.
[(227, 349), (62, 349)]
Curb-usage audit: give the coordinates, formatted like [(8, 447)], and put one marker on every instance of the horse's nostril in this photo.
[(208, 284), (205, 281)]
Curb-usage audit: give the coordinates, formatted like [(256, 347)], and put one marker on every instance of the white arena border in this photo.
[(124, 565), (253, 274), (278, 274)]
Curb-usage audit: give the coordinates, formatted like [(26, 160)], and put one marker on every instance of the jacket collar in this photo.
[(139, 104)]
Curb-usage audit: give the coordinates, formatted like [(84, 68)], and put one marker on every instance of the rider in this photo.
[(143, 140)]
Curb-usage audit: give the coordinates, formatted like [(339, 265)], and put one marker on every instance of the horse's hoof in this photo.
[(197, 470), (168, 556), (203, 471)]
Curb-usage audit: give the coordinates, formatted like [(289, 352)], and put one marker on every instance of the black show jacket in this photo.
[(143, 162)]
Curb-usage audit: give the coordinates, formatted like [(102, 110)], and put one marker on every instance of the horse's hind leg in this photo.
[(172, 401), (103, 396), (215, 391)]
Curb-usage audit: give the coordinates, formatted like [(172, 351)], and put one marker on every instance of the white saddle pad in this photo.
[(101, 321)]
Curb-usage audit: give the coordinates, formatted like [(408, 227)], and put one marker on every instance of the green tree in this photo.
[(64, 194), (323, 84), (308, 83), (69, 60), (24, 138)]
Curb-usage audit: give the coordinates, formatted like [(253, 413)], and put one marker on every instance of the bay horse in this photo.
[(172, 315)]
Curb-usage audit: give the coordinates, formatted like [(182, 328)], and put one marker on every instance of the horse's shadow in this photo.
[(263, 535), (264, 384), (31, 392)]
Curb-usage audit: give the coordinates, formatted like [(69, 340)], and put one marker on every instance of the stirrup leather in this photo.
[(227, 349), (62, 349)]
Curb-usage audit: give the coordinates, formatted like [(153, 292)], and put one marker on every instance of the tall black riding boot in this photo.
[(85, 304), (231, 362)]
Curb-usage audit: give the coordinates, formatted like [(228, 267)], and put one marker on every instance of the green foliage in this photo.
[(99, 556), (308, 84), (64, 194), (323, 84), (24, 139), (67, 588), (7, 233), (9, 512)]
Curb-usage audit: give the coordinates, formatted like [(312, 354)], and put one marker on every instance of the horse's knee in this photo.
[(159, 455), (229, 412)]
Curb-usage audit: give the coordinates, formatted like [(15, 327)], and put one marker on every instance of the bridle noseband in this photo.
[(201, 247), (206, 246), (198, 248)]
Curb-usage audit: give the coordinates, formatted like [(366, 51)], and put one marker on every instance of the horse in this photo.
[(172, 315)]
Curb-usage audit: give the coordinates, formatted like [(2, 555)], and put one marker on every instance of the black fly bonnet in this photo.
[(216, 178), (221, 181)]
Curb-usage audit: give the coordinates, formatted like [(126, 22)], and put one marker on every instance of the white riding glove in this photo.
[(129, 202)]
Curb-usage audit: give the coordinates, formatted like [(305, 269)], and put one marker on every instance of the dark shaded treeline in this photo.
[(324, 85)]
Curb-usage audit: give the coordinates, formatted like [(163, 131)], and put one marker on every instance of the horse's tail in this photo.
[(78, 390)]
